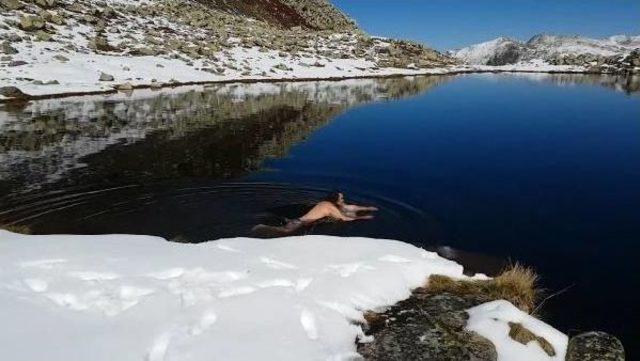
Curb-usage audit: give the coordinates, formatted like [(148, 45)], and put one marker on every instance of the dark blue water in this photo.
[(536, 169), (543, 174)]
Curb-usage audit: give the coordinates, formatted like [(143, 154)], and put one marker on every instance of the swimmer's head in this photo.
[(335, 197)]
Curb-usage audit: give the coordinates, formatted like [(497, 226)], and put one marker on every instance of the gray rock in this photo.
[(31, 23), (106, 77), (426, 328), (595, 346), (42, 35), (61, 58), (50, 82), (17, 63), (102, 44), (6, 48), (12, 4), (124, 87), (47, 4), (12, 92)]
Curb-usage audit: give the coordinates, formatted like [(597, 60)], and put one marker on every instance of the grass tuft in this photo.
[(516, 284), (15, 228)]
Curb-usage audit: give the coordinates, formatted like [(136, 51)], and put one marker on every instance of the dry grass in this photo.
[(516, 284), (15, 228), (521, 334)]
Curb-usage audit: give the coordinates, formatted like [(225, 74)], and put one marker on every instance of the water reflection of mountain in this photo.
[(621, 83), (220, 131)]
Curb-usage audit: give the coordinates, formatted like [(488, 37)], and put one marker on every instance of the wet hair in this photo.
[(333, 197)]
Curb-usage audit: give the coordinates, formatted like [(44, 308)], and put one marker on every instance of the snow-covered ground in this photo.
[(81, 73), (123, 297)]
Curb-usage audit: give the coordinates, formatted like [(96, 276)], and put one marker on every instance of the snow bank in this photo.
[(122, 297), (491, 320), (126, 297)]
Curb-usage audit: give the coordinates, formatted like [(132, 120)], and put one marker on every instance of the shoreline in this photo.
[(427, 72)]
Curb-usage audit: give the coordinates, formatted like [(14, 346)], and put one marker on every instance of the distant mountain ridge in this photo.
[(616, 52)]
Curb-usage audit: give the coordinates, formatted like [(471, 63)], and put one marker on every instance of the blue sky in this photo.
[(446, 24)]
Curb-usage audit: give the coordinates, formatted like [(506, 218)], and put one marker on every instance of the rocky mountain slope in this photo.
[(63, 46), (612, 55)]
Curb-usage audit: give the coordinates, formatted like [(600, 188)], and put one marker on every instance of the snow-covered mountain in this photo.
[(615, 53)]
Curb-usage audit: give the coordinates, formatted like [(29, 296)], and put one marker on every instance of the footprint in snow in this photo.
[(159, 348), (278, 282), (167, 274), (206, 321), (272, 263), (226, 248), (43, 263), (36, 285), (236, 292), (347, 269), (394, 259), (94, 276), (308, 322)]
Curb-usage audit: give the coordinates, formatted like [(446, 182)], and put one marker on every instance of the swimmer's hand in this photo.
[(355, 208)]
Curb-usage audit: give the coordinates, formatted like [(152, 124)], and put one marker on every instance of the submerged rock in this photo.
[(595, 346)]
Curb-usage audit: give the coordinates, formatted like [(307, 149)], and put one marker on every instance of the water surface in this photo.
[(542, 169)]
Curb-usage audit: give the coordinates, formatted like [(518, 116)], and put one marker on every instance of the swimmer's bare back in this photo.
[(335, 208)]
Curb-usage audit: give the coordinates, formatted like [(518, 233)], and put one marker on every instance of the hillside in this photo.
[(612, 55), (65, 46)]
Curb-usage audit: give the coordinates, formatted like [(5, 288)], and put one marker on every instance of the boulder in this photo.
[(46, 4), (425, 328), (12, 4), (17, 63), (31, 23), (595, 346), (42, 35), (12, 92), (102, 44), (124, 87), (106, 77), (61, 58), (6, 48)]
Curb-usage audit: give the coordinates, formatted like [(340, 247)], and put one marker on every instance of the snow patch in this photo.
[(491, 320)]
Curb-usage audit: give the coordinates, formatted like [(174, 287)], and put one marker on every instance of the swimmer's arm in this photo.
[(356, 208), (335, 213)]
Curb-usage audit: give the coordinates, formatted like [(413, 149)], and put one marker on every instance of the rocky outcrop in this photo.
[(595, 346), (426, 327), (432, 325), (203, 29)]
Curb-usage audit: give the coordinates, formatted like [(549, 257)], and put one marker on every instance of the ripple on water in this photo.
[(200, 212)]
